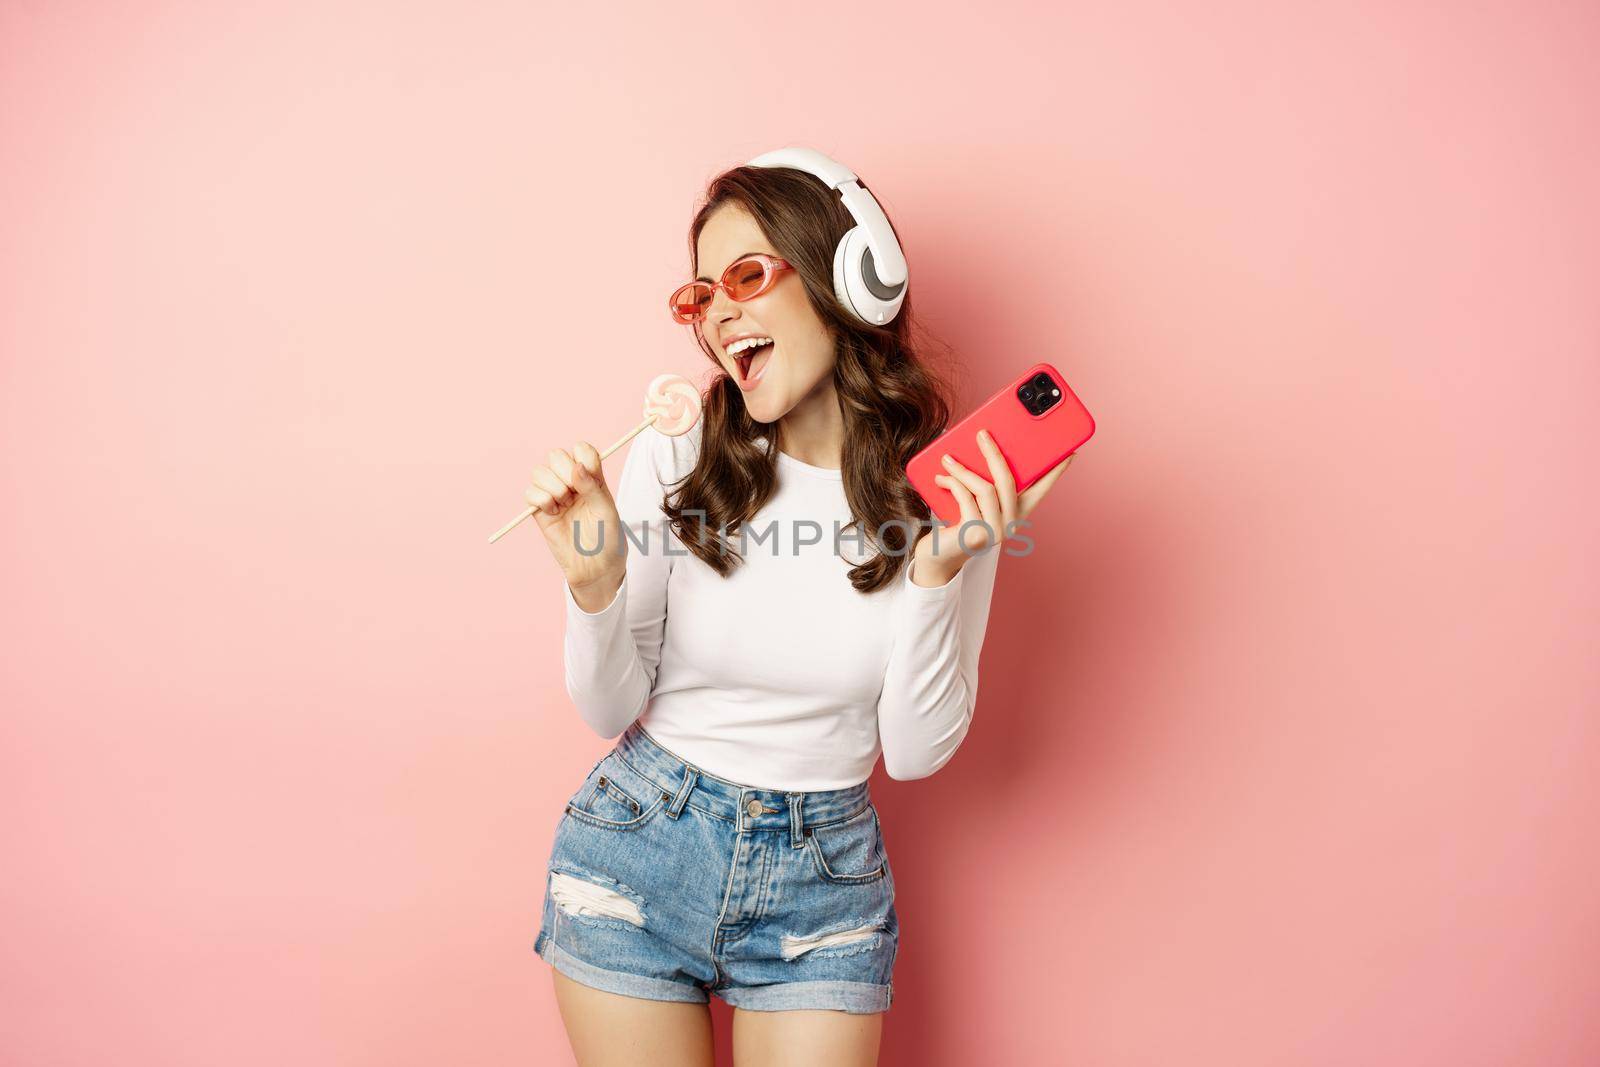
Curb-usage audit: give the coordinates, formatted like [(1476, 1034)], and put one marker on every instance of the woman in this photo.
[(779, 612)]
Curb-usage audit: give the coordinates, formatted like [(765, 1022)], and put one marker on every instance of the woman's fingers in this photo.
[(986, 496), (964, 501), (570, 477), (589, 473), (569, 470), (554, 485), (539, 499), (1000, 474), (1035, 492), (959, 536)]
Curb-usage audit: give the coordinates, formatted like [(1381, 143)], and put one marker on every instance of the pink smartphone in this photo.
[(1036, 421)]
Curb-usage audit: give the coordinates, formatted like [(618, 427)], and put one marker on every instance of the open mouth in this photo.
[(753, 361)]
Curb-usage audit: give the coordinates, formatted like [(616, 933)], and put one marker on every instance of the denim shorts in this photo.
[(669, 883)]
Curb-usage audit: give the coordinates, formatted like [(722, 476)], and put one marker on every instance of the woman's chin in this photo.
[(764, 409), (761, 401)]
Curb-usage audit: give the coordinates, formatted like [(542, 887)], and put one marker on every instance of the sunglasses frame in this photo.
[(771, 267)]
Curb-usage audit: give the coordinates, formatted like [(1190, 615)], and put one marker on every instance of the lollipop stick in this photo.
[(625, 438), (618, 443)]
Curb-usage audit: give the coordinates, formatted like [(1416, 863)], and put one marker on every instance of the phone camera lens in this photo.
[(1039, 394)]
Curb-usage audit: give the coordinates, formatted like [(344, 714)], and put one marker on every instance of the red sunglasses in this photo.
[(744, 279)]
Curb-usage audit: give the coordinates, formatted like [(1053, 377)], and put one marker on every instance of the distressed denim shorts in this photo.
[(669, 883)]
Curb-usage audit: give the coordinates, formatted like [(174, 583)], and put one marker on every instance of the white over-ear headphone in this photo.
[(869, 270)]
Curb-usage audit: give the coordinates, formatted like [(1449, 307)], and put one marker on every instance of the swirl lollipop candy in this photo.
[(671, 402), (674, 402)]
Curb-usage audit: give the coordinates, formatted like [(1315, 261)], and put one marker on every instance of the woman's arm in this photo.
[(611, 655), (930, 688)]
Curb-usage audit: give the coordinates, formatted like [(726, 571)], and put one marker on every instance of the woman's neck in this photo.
[(813, 430)]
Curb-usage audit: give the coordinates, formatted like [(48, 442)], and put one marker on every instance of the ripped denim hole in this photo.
[(582, 897), (793, 946)]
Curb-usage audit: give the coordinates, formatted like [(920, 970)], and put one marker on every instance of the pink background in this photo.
[(1286, 751)]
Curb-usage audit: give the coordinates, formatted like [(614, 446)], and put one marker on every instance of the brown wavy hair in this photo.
[(893, 402)]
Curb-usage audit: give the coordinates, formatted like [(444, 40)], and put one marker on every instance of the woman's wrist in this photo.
[(593, 596)]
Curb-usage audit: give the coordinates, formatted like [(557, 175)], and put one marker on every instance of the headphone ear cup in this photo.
[(841, 284), (858, 286)]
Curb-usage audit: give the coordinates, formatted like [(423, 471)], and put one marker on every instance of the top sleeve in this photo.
[(930, 688), (611, 656)]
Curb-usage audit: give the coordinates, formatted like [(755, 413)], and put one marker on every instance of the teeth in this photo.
[(749, 342)]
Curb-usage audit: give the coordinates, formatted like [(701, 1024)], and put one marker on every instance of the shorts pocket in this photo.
[(614, 797), (848, 852)]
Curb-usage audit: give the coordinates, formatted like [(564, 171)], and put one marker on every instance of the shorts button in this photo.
[(754, 807)]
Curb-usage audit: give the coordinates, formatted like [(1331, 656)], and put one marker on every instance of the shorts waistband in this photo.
[(749, 807)]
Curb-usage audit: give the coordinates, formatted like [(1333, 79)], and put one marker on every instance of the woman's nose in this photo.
[(722, 306)]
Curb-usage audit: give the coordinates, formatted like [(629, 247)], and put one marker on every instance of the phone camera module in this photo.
[(1040, 394)]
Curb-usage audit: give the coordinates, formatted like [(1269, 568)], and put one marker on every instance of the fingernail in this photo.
[(947, 460), (985, 435)]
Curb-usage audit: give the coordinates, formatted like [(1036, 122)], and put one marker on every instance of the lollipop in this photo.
[(671, 402), (674, 402)]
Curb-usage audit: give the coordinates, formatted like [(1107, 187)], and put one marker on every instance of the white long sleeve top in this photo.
[(781, 675)]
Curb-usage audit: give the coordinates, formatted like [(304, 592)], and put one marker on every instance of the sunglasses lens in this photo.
[(744, 278), (689, 303)]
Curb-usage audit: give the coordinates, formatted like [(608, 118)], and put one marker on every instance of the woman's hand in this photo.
[(575, 507), (993, 503)]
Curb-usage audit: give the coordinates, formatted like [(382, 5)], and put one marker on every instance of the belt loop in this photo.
[(675, 808), (797, 837)]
